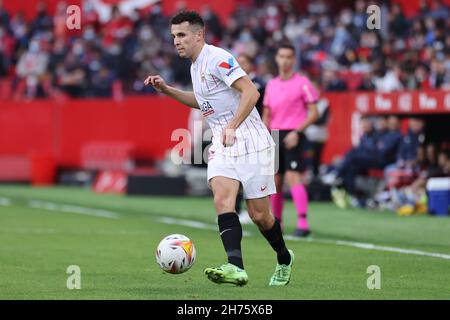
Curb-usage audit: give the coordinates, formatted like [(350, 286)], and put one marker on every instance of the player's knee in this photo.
[(259, 217), (224, 203)]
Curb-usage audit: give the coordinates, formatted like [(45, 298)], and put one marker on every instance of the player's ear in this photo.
[(201, 33)]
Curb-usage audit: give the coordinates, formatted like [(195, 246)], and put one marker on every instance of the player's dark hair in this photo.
[(188, 16), (286, 46)]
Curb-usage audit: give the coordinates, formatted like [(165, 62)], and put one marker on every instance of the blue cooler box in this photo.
[(438, 195)]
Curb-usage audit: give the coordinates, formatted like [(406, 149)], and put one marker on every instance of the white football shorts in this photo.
[(255, 171)]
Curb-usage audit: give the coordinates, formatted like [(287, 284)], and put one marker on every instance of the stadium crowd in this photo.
[(406, 161), (41, 57)]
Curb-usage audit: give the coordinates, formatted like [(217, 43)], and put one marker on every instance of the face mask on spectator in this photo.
[(78, 49), (34, 47), (156, 9), (89, 34), (346, 18), (272, 11), (245, 36), (145, 34)]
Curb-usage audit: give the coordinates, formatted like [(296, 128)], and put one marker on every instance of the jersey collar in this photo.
[(201, 55)]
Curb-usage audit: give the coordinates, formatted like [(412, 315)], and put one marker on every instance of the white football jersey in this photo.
[(213, 73)]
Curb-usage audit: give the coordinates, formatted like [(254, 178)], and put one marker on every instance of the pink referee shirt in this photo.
[(288, 101)]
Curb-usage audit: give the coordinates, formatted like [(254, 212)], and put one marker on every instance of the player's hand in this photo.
[(157, 82), (291, 140), (228, 137)]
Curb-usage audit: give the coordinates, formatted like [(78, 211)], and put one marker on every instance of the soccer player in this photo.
[(241, 146), (290, 107)]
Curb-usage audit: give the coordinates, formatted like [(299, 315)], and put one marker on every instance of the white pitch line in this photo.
[(359, 245), (205, 226), (5, 202), (195, 224), (371, 246), (74, 209), (29, 231)]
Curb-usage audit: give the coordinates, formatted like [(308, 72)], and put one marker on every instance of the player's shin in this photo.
[(275, 237), (231, 233)]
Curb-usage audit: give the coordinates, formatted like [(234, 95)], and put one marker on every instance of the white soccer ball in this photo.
[(175, 253)]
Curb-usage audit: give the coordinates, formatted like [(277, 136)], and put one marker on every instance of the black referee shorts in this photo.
[(289, 159)]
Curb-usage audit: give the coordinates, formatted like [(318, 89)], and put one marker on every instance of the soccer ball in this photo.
[(175, 253)]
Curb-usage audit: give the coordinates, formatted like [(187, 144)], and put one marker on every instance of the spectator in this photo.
[(390, 81), (212, 23), (330, 81), (355, 162), (406, 160), (408, 147), (43, 22), (4, 17), (388, 142), (102, 82), (398, 23), (20, 31), (317, 133), (59, 20), (413, 198), (413, 53), (247, 64), (31, 68), (439, 10), (7, 44), (71, 76)]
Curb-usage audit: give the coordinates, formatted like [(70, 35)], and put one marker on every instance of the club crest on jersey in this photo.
[(206, 109)]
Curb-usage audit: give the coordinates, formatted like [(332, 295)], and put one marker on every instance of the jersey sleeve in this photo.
[(309, 92), (227, 68)]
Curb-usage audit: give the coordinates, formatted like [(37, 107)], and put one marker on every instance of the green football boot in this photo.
[(282, 273), (227, 273)]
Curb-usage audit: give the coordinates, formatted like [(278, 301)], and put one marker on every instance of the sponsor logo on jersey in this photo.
[(227, 65), (232, 70), (206, 109)]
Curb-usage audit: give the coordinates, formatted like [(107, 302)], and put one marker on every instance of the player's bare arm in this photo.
[(249, 97), (292, 139), (185, 97)]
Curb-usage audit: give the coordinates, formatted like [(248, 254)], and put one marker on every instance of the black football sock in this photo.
[(231, 234), (239, 198), (275, 238)]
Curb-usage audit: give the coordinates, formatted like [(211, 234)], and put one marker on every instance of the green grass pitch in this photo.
[(113, 238)]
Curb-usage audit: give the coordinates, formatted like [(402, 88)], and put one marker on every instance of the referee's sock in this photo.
[(231, 233), (275, 238), (300, 198), (277, 202)]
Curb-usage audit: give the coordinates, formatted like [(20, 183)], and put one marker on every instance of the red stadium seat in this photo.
[(376, 173), (352, 79)]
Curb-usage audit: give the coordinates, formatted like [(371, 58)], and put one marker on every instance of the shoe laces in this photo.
[(228, 266), (282, 271)]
